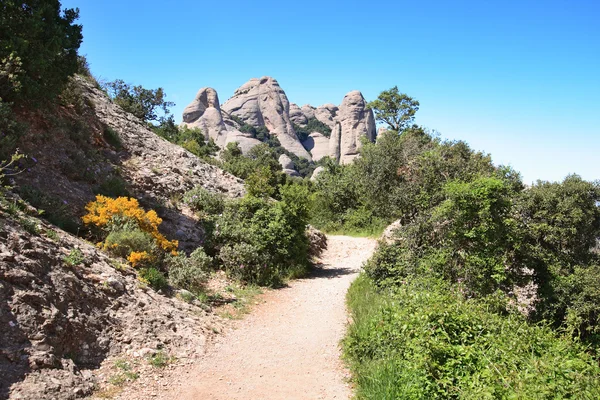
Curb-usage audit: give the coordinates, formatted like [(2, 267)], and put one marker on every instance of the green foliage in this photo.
[(39, 49), (10, 131), (191, 139), (260, 167), (563, 226), (261, 241), (125, 240), (160, 359), (146, 104), (189, 273), (200, 199), (55, 210), (313, 125), (426, 341), (154, 278), (113, 186), (395, 109), (112, 138), (74, 258)]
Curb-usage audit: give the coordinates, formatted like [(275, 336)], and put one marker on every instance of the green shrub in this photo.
[(39, 49), (154, 278), (113, 186), (189, 273), (425, 341), (74, 258), (123, 242), (10, 131), (261, 241), (113, 138), (200, 199), (55, 210)]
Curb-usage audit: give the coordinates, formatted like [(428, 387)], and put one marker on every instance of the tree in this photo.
[(395, 109), (143, 103), (38, 49)]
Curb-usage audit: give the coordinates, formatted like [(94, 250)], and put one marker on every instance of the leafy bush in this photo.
[(125, 241), (200, 199), (191, 139), (10, 131), (55, 210), (261, 241), (39, 49), (146, 104), (190, 273), (154, 278), (425, 341), (74, 258), (113, 186), (113, 138), (313, 125)]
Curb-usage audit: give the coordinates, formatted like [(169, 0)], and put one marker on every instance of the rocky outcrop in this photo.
[(352, 121), (326, 114), (316, 173), (297, 116), (288, 165), (61, 321), (308, 111), (317, 144), (262, 102), (205, 113)]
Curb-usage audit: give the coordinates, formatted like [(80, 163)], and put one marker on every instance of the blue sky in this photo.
[(517, 79)]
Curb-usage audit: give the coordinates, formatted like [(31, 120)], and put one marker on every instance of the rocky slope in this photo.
[(71, 161), (263, 103), (62, 318)]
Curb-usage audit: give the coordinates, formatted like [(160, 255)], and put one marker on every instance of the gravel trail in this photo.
[(288, 347)]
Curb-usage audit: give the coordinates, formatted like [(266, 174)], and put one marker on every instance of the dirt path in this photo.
[(287, 348)]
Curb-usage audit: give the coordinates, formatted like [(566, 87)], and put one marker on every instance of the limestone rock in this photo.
[(286, 162), (316, 173), (262, 102), (205, 113), (288, 165), (326, 114), (297, 116), (352, 121), (317, 144), (308, 111)]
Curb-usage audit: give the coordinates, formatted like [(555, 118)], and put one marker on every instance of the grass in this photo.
[(74, 258), (244, 297), (125, 373), (161, 359)]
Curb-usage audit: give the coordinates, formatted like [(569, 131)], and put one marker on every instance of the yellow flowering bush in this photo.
[(137, 258), (112, 215)]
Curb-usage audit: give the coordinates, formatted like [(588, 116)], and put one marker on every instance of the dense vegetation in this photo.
[(442, 310)]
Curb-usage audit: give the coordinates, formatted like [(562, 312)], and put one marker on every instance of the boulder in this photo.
[(262, 102), (352, 121), (286, 162), (316, 173), (297, 116), (389, 234), (326, 114), (244, 140), (205, 113), (317, 144)]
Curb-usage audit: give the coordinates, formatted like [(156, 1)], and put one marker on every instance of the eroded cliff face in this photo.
[(262, 102), (352, 121)]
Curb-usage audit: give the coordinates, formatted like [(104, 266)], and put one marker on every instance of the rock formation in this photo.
[(308, 111), (205, 113), (262, 102), (326, 114), (297, 116), (317, 144), (288, 165), (352, 121)]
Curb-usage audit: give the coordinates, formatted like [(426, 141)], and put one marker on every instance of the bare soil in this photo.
[(286, 348)]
